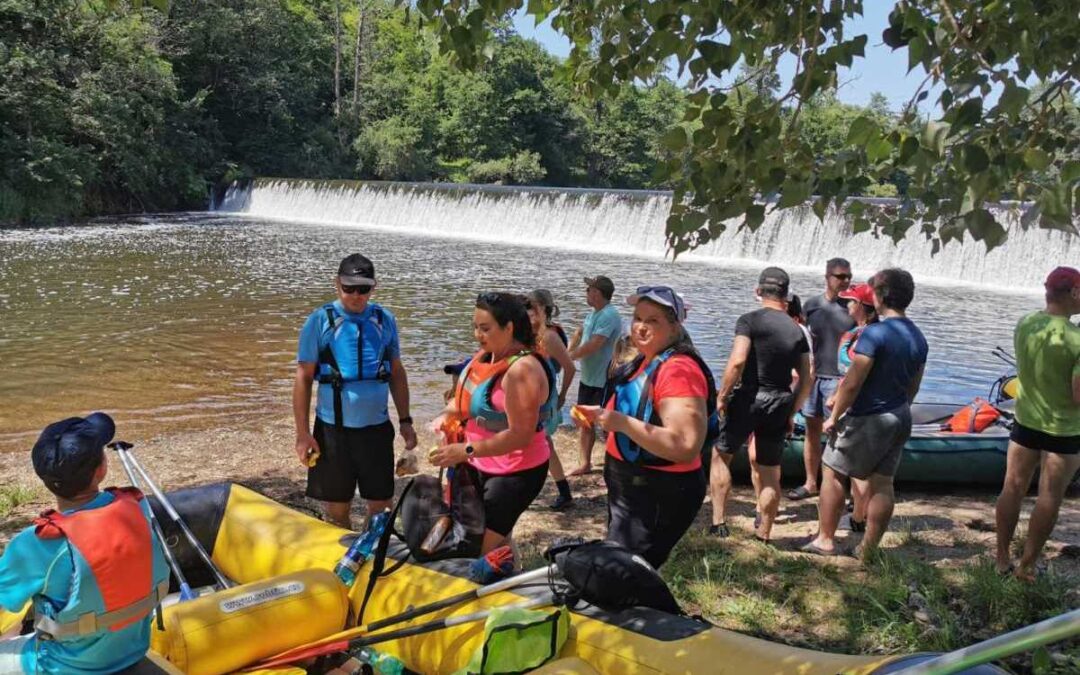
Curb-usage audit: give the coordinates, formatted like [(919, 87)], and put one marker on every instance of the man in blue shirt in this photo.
[(593, 344), (871, 419), (91, 569), (350, 347)]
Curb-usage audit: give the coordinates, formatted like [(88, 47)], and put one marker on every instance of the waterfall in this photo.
[(632, 222)]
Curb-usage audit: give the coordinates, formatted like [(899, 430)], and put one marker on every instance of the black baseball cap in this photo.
[(68, 452), (601, 283), (775, 279), (356, 270)]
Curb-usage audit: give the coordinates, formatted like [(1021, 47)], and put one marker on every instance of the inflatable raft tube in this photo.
[(253, 538)]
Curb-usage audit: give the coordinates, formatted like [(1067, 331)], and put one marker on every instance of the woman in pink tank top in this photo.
[(503, 399)]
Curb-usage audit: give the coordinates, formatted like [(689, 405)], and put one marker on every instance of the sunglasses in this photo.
[(360, 289), (841, 277)]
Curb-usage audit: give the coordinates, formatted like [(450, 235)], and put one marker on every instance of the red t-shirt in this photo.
[(679, 377)]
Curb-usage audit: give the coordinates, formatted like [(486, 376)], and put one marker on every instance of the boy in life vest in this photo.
[(91, 568)]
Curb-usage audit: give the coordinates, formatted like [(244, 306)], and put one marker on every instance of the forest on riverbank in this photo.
[(118, 108)]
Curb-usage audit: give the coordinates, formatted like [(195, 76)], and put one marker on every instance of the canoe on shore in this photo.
[(930, 455)]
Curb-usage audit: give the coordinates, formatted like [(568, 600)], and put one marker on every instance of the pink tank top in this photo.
[(532, 455)]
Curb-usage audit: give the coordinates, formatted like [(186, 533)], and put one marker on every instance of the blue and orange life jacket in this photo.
[(476, 385), (354, 351), (118, 579), (634, 397)]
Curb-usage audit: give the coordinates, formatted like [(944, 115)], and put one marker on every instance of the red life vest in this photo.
[(113, 586)]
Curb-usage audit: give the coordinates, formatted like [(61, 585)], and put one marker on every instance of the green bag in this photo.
[(519, 640)]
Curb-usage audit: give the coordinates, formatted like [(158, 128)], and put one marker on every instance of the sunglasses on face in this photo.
[(841, 277), (360, 289)]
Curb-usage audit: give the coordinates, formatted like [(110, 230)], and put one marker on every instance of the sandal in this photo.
[(812, 548), (720, 531), (799, 493)]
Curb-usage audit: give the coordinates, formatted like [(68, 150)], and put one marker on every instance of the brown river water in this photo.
[(189, 321)]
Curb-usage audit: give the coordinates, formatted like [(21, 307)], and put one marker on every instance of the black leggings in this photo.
[(650, 510), (507, 496)]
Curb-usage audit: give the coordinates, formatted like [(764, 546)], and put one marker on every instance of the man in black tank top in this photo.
[(756, 398)]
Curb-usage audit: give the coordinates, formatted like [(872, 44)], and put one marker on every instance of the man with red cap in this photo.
[(1046, 433)]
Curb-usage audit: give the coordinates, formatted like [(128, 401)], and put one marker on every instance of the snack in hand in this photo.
[(580, 417), (431, 453), (312, 457)]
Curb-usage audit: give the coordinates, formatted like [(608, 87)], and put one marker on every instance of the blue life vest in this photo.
[(353, 351), (120, 574), (634, 397), (477, 384)]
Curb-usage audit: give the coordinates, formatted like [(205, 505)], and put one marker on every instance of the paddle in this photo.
[(185, 589), (340, 645), (123, 449)]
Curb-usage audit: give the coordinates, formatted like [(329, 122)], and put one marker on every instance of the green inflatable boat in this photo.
[(930, 455)]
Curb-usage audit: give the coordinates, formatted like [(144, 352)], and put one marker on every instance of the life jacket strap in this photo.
[(91, 622)]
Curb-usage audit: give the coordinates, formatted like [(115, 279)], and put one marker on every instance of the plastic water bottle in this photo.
[(380, 662), (360, 550)]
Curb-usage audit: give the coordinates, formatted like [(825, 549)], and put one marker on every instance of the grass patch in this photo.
[(896, 604), (14, 496)]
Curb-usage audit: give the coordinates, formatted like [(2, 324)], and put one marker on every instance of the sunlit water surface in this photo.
[(189, 322)]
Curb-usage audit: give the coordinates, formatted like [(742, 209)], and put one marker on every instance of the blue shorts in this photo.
[(820, 391)]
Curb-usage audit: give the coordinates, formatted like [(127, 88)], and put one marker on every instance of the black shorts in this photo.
[(648, 510), (587, 395), (353, 459), (1033, 439), (766, 416), (507, 496)]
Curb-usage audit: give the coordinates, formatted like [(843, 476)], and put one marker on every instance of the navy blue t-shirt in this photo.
[(899, 350)]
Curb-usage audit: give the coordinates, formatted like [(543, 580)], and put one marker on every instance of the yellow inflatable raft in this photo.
[(287, 596)]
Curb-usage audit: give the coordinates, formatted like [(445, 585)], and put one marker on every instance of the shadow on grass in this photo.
[(897, 603)]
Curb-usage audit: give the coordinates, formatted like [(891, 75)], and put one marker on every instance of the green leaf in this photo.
[(1041, 661), (1013, 98), (934, 136), (975, 159), (968, 114), (793, 193), (1037, 159), (1070, 171), (878, 149), (862, 130), (820, 207), (674, 139), (861, 224), (985, 228), (755, 216), (718, 55)]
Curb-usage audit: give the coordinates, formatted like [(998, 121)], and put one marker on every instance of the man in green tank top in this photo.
[(1046, 433)]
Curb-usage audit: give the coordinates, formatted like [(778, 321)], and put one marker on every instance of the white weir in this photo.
[(632, 222)]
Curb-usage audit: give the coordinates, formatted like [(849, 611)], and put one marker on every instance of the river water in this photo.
[(190, 321)]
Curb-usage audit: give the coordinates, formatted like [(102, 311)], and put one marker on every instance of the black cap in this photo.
[(68, 452), (356, 270), (601, 283), (774, 279)]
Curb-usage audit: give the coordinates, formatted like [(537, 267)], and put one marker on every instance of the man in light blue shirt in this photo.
[(91, 568), (593, 345), (350, 347)]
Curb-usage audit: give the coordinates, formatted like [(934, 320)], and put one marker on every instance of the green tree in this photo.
[(970, 152)]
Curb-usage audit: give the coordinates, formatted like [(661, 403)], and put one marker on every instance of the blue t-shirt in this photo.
[(606, 322), (42, 570), (899, 350), (363, 401)]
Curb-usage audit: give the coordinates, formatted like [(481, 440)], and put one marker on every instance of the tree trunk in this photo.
[(337, 58), (362, 13)]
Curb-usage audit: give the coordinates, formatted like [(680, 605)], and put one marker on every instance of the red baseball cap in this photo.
[(864, 293), (1063, 279)]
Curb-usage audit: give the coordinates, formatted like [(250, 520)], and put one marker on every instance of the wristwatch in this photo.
[(470, 451), (405, 420)]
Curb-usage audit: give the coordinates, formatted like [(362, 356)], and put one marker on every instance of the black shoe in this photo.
[(720, 531), (562, 502)]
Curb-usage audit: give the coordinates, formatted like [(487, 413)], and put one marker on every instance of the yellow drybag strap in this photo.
[(519, 640)]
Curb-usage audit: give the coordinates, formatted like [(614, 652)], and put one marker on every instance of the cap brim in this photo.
[(103, 427), (350, 280)]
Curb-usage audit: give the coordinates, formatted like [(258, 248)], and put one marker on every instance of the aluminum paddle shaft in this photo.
[(222, 582), (185, 588)]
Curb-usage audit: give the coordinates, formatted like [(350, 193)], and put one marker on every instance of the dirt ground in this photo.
[(943, 526)]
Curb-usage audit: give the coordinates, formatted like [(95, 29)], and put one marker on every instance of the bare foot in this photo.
[(1025, 574), (581, 470)]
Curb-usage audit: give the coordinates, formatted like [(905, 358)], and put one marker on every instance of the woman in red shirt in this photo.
[(656, 421)]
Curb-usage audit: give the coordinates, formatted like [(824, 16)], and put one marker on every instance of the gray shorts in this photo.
[(869, 444)]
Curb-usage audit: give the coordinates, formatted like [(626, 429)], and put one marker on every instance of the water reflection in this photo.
[(190, 322)]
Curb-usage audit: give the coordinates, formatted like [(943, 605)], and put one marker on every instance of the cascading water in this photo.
[(632, 222)]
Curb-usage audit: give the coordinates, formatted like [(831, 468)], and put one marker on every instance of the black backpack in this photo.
[(425, 504)]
